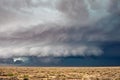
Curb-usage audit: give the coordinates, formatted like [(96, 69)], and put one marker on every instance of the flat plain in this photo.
[(59, 73)]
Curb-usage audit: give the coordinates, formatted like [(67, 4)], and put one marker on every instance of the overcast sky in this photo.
[(58, 28)]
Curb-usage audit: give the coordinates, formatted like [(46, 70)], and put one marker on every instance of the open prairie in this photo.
[(59, 73)]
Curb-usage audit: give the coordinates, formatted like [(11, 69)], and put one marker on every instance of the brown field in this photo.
[(59, 73)]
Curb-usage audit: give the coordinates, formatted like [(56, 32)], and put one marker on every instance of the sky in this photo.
[(60, 32)]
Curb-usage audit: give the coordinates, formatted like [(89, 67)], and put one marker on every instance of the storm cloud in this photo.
[(57, 27)]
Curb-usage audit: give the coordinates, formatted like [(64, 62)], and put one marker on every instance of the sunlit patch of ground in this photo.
[(59, 73)]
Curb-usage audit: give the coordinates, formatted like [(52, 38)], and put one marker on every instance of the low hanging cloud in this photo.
[(58, 27), (46, 51)]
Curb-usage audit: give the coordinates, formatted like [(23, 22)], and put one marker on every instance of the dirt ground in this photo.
[(59, 73)]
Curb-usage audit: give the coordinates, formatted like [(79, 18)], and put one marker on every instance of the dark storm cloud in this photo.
[(58, 27)]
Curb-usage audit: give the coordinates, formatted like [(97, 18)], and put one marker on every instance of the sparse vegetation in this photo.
[(25, 77), (10, 74), (59, 73)]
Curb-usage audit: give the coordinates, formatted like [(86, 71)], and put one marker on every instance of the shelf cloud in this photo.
[(57, 28)]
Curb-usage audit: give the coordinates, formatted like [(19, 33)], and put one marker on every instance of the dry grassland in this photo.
[(59, 73)]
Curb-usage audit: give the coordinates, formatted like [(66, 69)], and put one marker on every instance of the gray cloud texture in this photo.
[(57, 27)]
